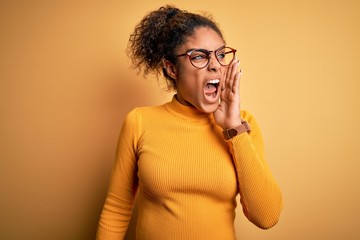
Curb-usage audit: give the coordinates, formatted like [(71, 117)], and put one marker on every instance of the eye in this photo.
[(198, 56), (221, 55)]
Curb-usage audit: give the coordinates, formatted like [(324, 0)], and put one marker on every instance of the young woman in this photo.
[(187, 159)]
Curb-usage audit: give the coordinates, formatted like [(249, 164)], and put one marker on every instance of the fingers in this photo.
[(232, 78), (236, 84)]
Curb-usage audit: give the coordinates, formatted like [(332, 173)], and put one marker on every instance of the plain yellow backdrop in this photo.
[(66, 85)]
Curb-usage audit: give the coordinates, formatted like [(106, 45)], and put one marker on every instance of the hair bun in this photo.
[(171, 12)]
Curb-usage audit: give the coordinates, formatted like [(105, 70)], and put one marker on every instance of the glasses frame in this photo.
[(208, 53)]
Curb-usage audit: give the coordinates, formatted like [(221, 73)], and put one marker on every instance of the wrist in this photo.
[(233, 131), (232, 124)]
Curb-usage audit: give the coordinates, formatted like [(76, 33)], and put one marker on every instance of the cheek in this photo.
[(185, 86), (188, 78), (192, 83)]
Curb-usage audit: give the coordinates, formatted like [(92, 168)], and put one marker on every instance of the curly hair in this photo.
[(159, 34)]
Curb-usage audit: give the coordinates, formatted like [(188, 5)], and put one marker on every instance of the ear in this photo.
[(170, 69)]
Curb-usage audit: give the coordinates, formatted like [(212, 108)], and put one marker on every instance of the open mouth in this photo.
[(211, 89)]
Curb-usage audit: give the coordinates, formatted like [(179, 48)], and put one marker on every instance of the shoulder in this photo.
[(141, 115), (148, 111)]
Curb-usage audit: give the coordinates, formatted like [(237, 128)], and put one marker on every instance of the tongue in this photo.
[(209, 89)]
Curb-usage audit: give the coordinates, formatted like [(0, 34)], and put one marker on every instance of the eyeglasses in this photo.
[(200, 58)]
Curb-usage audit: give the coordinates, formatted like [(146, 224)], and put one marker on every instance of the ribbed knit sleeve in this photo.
[(260, 195), (186, 177), (119, 202)]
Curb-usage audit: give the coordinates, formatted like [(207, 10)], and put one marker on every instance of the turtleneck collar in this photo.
[(188, 113)]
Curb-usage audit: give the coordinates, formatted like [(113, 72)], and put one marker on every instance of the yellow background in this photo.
[(66, 85)]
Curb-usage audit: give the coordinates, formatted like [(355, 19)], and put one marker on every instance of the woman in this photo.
[(187, 160)]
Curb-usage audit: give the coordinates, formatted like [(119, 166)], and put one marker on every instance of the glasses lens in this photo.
[(225, 56), (199, 58)]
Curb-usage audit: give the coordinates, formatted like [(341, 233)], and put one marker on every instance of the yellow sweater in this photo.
[(186, 177)]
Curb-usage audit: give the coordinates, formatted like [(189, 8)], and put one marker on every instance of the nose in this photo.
[(214, 64)]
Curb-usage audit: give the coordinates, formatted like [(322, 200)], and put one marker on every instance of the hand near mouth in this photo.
[(227, 115)]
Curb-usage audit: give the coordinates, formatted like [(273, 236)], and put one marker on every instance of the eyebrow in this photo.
[(192, 49)]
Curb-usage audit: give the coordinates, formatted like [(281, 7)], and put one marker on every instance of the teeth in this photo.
[(214, 81)]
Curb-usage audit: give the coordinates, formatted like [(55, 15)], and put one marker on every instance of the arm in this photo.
[(123, 185), (260, 195)]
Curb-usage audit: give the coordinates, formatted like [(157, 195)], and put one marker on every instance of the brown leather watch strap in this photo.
[(232, 132)]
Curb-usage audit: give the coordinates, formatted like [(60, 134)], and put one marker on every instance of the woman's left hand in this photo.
[(227, 115)]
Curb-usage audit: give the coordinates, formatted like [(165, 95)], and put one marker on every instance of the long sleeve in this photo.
[(260, 195), (119, 202), (177, 163)]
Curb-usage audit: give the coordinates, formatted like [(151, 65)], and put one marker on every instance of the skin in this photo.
[(191, 81)]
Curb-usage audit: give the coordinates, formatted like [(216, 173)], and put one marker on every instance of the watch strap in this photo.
[(232, 132)]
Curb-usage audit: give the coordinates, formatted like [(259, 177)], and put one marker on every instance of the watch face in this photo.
[(232, 132)]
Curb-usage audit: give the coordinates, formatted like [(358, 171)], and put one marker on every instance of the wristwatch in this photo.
[(232, 132)]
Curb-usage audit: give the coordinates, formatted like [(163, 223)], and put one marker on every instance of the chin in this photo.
[(208, 108)]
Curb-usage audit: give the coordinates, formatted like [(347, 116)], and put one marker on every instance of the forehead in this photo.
[(203, 37)]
